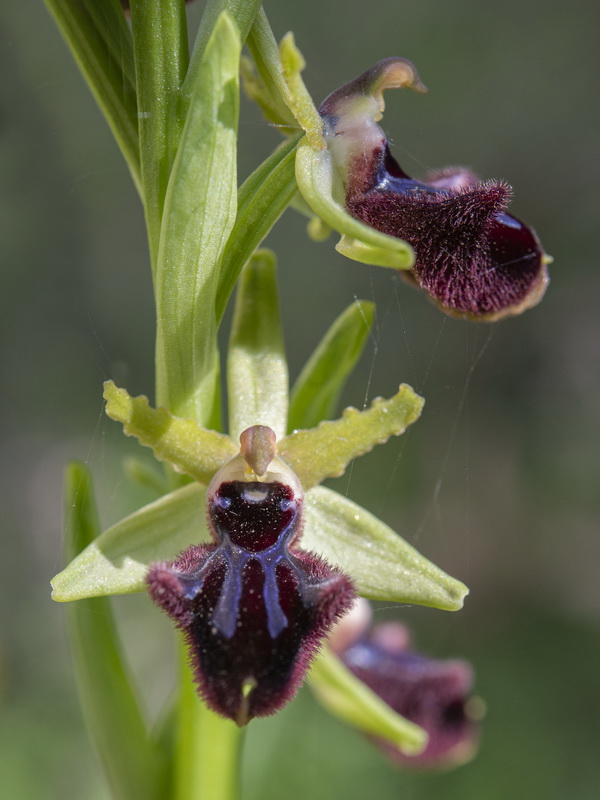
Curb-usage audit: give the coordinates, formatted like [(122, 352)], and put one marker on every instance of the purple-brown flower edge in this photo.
[(253, 605), (473, 258), (435, 694)]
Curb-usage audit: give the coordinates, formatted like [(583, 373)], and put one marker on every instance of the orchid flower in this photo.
[(450, 234), (253, 560)]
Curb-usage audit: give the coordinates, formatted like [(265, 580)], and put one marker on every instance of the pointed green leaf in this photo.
[(325, 451), (315, 177), (116, 562), (348, 698), (111, 24), (182, 443), (262, 199), (134, 765), (104, 74), (382, 565), (318, 388), (241, 12), (199, 213), (257, 376), (161, 58)]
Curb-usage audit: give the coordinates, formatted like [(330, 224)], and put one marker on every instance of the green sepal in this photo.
[(319, 385), (300, 101), (315, 178), (325, 451), (116, 562), (262, 199), (134, 764), (382, 565), (257, 374), (349, 699), (182, 443), (199, 213)]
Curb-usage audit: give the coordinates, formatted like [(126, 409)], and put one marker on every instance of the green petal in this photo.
[(116, 562), (257, 375), (318, 388), (325, 451), (134, 764), (382, 565), (199, 213), (182, 443), (348, 698), (315, 177)]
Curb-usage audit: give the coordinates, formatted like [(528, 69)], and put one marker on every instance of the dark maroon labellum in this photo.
[(253, 606)]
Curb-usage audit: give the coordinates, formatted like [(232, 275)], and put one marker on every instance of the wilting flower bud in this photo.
[(435, 695), (472, 257), (253, 605)]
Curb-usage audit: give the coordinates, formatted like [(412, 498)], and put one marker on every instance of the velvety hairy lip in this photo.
[(472, 257), (253, 605)]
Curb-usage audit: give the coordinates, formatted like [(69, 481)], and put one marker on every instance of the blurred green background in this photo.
[(498, 481)]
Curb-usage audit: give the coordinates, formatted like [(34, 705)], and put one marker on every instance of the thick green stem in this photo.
[(208, 748)]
